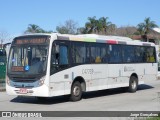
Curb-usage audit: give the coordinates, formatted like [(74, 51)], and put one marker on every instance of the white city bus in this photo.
[(46, 65)]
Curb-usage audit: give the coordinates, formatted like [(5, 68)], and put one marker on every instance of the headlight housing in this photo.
[(41, 81)]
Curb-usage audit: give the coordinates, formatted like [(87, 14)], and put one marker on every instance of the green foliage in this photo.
[(32, 28), (144, 28), (62, 29), (98, 26)]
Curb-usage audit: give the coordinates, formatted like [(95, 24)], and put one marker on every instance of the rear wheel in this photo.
[(133, 84), (76, 91)]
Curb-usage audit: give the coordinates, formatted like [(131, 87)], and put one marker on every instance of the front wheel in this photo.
[(133, 84), (76, 91)]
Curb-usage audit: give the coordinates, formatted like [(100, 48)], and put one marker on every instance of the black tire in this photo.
[(133, 84), (76, 91)]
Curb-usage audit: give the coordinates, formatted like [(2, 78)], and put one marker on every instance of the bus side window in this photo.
[(78, 53), (150, 54), (96, 53), (139, 54), (128, 54), (115, 54), (60, 55), (63, 55), (87, 60)]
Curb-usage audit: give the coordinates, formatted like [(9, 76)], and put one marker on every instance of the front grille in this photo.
[(24, 80), (20, 86)]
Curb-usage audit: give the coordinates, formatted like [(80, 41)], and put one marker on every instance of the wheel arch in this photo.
[(82, 82)]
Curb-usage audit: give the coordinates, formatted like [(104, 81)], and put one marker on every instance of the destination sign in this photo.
[(31, 40), (17, 69)]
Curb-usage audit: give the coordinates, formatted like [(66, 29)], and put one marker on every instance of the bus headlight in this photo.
[(41, 81), (7, 80)]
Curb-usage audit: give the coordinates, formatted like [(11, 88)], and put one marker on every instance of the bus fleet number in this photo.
[(87, 71)]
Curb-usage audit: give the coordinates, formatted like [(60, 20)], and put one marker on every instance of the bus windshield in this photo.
[(28, 59)]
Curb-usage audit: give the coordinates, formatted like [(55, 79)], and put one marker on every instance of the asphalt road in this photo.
[(147, 98)]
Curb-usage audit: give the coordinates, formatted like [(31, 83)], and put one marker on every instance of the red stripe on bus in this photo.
[(112, 41)]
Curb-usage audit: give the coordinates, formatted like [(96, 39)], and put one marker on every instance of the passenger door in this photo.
[(60, 62)]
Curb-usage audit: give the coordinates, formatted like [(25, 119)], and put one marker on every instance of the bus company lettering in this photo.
[(128, 69), (87, 71)]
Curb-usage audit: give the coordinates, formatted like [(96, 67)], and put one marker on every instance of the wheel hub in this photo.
[(133, 84), (76, 91)]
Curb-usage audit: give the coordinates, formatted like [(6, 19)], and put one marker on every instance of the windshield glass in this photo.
[(28, 59)]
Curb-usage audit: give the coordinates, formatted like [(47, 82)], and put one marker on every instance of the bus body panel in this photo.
[(115, 77), (97, 76), (61, 81)]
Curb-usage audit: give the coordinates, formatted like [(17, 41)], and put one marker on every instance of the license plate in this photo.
[(23, 91)]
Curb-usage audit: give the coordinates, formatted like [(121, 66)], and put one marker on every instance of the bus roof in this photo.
[(95, 38), (103, 39)]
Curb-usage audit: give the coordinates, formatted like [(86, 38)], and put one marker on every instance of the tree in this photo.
[(69, 27), (91, 26), (144, 28), (105, 26), (140, 29), (111, 29), (126, 31), (97, 26), (32, 28)]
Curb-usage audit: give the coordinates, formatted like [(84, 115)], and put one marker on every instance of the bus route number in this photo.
[(87, 71)]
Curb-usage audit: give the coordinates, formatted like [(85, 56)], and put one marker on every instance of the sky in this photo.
[(16, 15)]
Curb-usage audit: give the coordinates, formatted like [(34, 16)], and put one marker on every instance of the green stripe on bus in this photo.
[(90, 39)]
